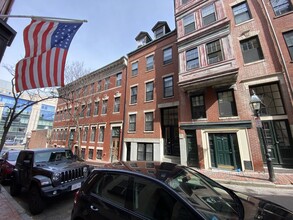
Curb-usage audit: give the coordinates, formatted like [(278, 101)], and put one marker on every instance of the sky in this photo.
[(108, 34)]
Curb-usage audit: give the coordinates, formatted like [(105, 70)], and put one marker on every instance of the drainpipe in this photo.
[(124, 109), (279, 49)]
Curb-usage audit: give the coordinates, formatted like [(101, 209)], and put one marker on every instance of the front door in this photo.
[(115, 143), (279, 142), (192, 151), (224, 151)]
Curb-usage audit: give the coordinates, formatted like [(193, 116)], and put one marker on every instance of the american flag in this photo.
[(46, 45)]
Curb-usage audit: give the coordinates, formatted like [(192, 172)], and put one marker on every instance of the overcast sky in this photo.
[(108, 35)]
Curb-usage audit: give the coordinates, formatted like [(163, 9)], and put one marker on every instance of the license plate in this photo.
[(75, 186)]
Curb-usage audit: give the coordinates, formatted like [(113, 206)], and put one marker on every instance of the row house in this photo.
[(228, 50), (152, 98), (90, 113)]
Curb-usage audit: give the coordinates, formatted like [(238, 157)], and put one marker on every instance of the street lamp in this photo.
[(255, 104)]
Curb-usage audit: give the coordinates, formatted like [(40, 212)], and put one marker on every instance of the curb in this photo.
[(254, 184), (12, 203)]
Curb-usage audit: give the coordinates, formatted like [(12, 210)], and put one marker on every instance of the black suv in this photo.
[(154, 190), (47, 173)]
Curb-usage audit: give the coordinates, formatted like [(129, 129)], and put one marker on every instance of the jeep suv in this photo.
[(47, 173)]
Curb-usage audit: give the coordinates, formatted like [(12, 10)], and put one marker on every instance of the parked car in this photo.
[(153, 190), (7, 163), (46, 173)]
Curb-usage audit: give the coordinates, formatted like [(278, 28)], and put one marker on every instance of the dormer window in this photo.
[(159, 32), (143, 38), (141, 42)]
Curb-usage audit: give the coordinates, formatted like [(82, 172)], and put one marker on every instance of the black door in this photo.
[(279, 142), (170, 131), (192, 151), (224, 151)]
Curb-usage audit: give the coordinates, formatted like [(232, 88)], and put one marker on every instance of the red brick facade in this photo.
[(96, 91)]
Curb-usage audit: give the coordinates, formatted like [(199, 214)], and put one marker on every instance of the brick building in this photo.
[(152, 98), (90, 113), (227, 49)]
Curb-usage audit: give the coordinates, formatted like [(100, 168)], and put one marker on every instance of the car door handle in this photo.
[(94, 208)]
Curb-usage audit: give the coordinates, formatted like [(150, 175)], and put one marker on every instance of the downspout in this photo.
[(124, 110), (279, 49)]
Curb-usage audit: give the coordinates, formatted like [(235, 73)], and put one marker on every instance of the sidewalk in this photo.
[(10, 209), (284, 178)]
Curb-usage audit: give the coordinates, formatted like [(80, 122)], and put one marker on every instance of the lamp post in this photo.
[(255, 104)]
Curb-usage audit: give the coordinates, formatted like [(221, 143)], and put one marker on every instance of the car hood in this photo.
[(60, 166), (257, 208)]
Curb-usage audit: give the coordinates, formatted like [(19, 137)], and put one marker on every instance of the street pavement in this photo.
[(10, 209)]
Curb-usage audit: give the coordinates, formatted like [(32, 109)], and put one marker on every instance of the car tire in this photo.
[(15, 188), (36, 202)]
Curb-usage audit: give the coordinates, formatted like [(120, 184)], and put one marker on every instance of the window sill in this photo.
[(148, 132), (131, 132), (254, 62), (282, 15), (244, 22), (228, 117)]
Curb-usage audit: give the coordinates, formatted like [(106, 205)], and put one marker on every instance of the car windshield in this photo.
[(12, 155), (52, 156), (208, 197)]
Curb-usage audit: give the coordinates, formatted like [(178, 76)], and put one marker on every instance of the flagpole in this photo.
[(43, 18)]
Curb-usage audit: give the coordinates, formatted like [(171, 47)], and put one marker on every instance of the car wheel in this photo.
[(14, 188), (36, 202)]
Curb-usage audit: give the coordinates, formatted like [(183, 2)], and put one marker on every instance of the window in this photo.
[(272, 103), (227, 105), (149, 91), (85, 132), (107, 83), (91, 154), (188, 23), (281, 6), (214, 52), (167, 53), (101, 133), (96, 110), (208, 14), (99, 154), (134, 69), (117, 104), (149, 121), (289, 42), (168, 86), (82, 113), (184, 2), (198, 107), (241, 13), (104, 106), (92, 88), (93, 134), (145, 151), (112, 187), (159, 32), (192, 59), (82, 153), (118, 79), (150, 62), (133, 98), (251, 50), (100, 85), (89, 108), (132, 122)]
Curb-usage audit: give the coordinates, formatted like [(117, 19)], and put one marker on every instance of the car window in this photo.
[(209, 199), (112, 187), (152, 201), (12, 156)]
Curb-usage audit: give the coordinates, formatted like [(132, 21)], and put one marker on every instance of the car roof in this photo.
[(46, 150), (155, 169)]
